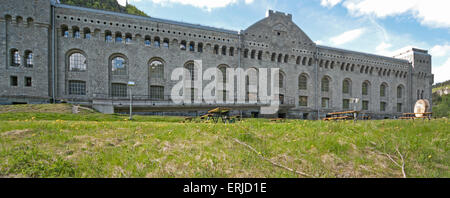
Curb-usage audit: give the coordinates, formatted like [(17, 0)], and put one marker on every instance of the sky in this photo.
[(382, 27)]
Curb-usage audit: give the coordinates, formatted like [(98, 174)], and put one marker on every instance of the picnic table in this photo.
[(346, 115), (412, 116), (220, 113)]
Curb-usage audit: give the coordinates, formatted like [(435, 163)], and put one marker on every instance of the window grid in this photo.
[(119, 90), (325, 102), (346, 104), (365, 105), (118, 66), (303, 101), (157, 92), (157, 70), (325, 85), (29, 59), (15, 57), (365, 89), (382, 106), (77, 87), (302, 82), (77, 62)]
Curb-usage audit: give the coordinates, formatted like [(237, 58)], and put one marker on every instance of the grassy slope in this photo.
[(66, 145)]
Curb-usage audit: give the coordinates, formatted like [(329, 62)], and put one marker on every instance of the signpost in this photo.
[(130, 85)]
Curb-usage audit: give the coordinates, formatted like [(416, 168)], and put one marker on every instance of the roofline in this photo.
[(158, 20), (363, 53)]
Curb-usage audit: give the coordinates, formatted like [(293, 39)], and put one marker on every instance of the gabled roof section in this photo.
[(279, 23)]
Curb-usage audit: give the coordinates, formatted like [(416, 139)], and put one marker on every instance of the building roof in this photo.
[(153, 19)]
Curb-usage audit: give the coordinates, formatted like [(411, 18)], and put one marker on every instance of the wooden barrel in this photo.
[(422, 106)]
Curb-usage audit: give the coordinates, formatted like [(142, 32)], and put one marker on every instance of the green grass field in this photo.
[(49, 141)]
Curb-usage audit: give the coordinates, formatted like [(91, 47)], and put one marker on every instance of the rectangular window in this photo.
[(346, 104), (157, 92), (77, 87), (399, 107), (303, 101), (365, 105), (14, 81), (28, 82), (325, 103), (382, 106), (119, 90)]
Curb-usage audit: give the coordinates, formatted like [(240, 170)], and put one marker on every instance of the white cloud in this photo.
[(203, 4), (442, 73), (122, 2), (329, 3), (432, 13), (440, 50), (319, 42), (347, 36)]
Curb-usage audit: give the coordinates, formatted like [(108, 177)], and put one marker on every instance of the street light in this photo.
[(131, 84)]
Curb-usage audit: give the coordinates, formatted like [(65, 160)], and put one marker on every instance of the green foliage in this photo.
[(109, 5), (441, 105), (96, 145)]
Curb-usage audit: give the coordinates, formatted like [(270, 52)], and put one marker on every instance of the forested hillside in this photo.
[(110, 5)]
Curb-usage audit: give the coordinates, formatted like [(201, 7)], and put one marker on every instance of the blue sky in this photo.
[(375, 26)]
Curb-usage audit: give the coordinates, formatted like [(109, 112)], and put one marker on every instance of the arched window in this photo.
[(192, 46), (76, 32), (260, 55), (253, 54), (231, 53), (273, 57), (77, 62), (346, 86), (147, 41), (156, 69), (365, 88), (183, 45), (15, 57), (108, 36), (224, 50), (216, 49), (118, 38), (399, 91), (286, 58), (166, 43), (325, 85), (200, 47), (28, 58), (64, 31), (303, 82), (298, 60), (157, 42), (310, 61), (382, 90), (118, 66), (281, 80), (128, 38), (304, 61), (280, 57), (87, 33), (246, 53)]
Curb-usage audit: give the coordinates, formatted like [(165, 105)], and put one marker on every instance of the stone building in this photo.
[(54, 52)]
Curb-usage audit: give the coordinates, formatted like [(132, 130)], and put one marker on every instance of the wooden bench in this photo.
[(346, 115), (278, 119), (412, 116)]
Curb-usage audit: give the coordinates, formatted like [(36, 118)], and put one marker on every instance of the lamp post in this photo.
[(130, 85)]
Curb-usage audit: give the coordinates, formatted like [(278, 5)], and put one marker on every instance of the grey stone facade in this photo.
[(53, 32)]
